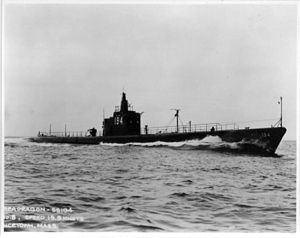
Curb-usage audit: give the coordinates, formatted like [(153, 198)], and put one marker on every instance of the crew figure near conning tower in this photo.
[(93, 131)]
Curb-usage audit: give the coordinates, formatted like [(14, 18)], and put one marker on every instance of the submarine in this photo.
[(124, 126)]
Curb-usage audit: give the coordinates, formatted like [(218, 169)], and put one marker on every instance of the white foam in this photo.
[(22, 141), (208, 140)]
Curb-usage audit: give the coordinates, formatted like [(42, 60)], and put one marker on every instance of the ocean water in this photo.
[(170, 187)]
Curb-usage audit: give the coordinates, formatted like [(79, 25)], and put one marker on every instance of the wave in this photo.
[(209, 142), (25, 142), (205, 141), (15, 142), (215, 143)]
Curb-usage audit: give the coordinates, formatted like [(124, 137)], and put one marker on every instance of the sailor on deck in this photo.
[(93, 131)]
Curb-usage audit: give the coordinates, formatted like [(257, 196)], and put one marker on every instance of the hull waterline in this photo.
[(261, 140)]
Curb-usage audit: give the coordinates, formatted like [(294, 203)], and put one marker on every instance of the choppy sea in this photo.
[(148, 187)]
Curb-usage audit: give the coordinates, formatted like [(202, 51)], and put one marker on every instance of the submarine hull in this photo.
[(260, 140)]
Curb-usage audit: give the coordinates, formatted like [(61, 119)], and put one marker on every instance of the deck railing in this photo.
[(191, 128), (66, 133), (207, 127)]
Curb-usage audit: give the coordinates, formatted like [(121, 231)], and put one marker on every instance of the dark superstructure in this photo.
[(123, 122), (124, 126)]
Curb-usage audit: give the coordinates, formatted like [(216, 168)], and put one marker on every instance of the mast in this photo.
[(280, 111), (177, 116), (124, 103)]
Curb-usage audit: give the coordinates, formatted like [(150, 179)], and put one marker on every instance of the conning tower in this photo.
[(124, 121)]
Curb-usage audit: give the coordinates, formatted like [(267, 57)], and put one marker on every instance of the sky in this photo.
[(67, 64)]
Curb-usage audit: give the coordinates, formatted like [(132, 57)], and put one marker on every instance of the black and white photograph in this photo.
[(151, 116)]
